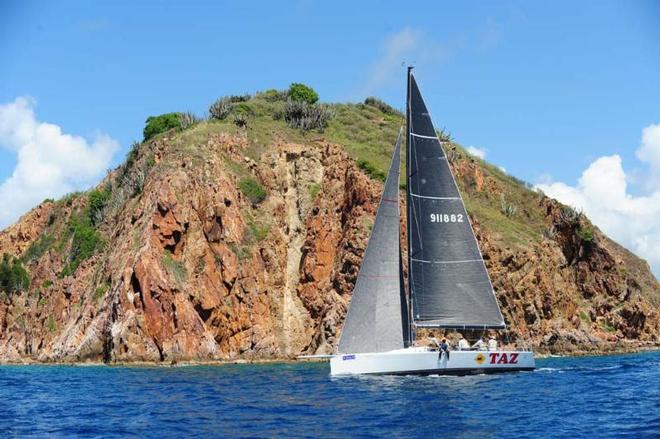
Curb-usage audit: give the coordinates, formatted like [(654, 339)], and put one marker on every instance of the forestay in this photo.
[(449, 284), (378, 313)]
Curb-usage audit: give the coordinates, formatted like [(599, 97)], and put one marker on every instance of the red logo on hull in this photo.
[(503, 358)]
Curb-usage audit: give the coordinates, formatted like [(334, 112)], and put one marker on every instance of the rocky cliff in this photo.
[(226, 242)]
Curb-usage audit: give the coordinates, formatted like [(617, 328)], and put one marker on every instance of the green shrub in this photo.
[(50, 324), (242, 252), (272, 95), (382, 106), (314, 189), (257, 232), (252, 189), (176, 268), (607, 327), (86, 241), (38, 248), (131, 156), (46, 284), (101, 290), (300, 114), (98, 199), (13, 276), (243, 109), (371, 170), (160, 124), (585, 233), (303, 93)]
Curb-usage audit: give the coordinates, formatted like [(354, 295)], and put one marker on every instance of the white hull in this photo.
[(423, 361)]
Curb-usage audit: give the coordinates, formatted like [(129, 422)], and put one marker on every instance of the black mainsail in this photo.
[(377, 319), (448, 282)]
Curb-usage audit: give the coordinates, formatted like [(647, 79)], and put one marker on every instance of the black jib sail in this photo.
[(377, 318), (449, 284)]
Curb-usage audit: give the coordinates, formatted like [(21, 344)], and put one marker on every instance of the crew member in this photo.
[(444, 348), (463, 344)]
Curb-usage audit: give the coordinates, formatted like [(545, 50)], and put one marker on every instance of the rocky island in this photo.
[(240, 237)]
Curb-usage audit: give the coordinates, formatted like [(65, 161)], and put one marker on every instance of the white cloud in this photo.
[(602, 193), (477, 152), (649, 153), (394, 52), (411, 46), (49, 162), (408, 46)]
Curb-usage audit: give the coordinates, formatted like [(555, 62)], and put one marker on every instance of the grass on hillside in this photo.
[(368, 135)]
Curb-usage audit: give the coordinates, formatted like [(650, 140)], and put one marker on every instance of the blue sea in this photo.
[(614, 396)]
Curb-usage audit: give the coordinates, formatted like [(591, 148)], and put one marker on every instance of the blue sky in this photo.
[(543, 88)]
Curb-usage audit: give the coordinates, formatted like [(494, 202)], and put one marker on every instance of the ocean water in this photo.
[(615, 396)]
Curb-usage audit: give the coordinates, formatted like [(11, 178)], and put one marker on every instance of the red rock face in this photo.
[(193, 270), (18, 237)]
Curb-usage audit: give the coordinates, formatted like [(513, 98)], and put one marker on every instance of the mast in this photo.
[(448, 283), (411, 326)]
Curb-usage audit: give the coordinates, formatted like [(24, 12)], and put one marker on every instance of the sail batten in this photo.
[(448, 281), (377, 318)]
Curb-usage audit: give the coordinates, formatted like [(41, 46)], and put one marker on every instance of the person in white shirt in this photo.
[(478, 345), (492, 344), (463, 344)]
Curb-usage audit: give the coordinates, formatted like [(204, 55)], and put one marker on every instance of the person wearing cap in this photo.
[(463, 344), (492, 344)]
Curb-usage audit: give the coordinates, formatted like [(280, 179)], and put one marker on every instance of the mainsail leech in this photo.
[(448, 281), (377, 318)]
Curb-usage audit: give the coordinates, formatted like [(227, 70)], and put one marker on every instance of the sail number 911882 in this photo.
[(446, 218)]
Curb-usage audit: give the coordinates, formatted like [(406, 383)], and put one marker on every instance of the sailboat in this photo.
[(448, 285)]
